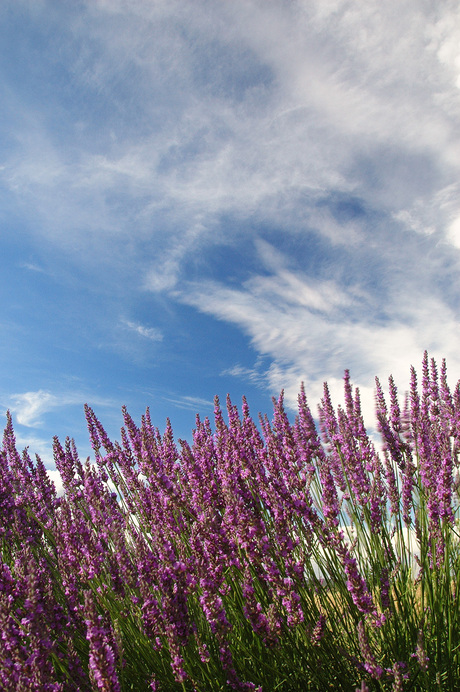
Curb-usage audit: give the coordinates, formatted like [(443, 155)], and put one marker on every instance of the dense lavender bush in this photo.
[(273, 557)]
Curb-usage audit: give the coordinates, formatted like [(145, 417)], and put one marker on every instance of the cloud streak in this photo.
[(151, 333), (30, 406), (313, 330)]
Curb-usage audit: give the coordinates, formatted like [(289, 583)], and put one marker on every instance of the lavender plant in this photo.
[(272, 556)]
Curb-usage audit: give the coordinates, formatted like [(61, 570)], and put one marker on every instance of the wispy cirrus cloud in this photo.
[(191, 403), (313, 330), (152, 333), (30, 408), (332, 108), (31, 266)]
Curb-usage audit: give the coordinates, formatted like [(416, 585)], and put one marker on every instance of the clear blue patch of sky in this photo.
[(344, 207), (34, 59), (230, 261)]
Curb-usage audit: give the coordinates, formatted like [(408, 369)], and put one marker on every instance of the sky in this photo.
[(211, 197)]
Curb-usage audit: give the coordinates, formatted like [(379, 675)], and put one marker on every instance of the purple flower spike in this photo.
[(356, 585), (370, 663), (363, 688), (420, 652), (385, 589), (102, 649), (398, 677), (318, 630)]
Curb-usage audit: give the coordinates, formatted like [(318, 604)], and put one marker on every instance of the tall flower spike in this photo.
[(446, 396), (370, 663), (414, 405), (420, 652), (395, 411), (363, 688), (389, 433), (102, 656)]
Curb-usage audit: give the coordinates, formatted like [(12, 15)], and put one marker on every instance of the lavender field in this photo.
[(261, 555)]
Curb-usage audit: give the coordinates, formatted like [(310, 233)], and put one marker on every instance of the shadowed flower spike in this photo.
[(389, 425), (363, 688), (370, 664), (328, 419), (356, 585), (318, 630), (420, 653), (384, 589), (398, 677)]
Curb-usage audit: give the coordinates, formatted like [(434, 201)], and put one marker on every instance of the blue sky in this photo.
[(207, 197)]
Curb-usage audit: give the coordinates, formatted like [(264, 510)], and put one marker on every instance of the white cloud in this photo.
[(313, 331), (453, 233), (32, 267), (254, 375), (191, 403), (446, 37), (151, 333), (162, 278), (57, 480), (30, 406)]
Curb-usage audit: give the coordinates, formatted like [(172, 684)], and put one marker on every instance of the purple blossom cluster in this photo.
[(164, 563)]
